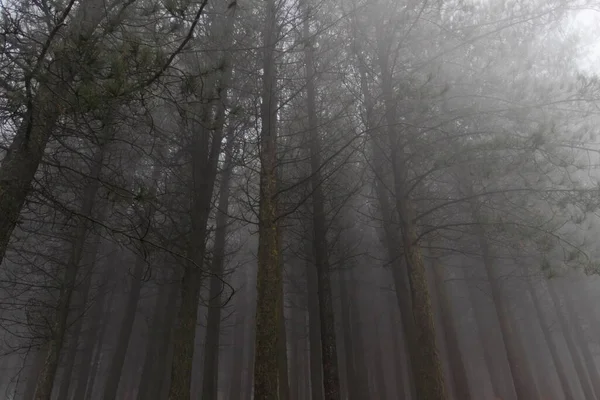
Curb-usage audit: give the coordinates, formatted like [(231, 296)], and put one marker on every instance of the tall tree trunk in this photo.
[(399, 354), (165, 302), (284, 383), (390, 222), (487, 335), (352, 379), (29, 374), (94, 337), (359, 350), (583, 343), (269, 282), (46, 379), (115, 370), (71, 354), (314, 330), (331, 383), (213, 325), (235, 387), (378, 359), (161, 373), (545, 327), (457, 363), (571, 344), (26, 151), (520, 371), (204, 171), (425, 359)]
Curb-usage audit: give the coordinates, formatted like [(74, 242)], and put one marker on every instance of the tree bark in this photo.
[(167, 293), (269, 277), (205, 159), (425, 360), (46, 379), (457, 363), (519, 369), (571, 345), (213, 325), (115, 370), (71, 354), (314, 330), (94, 337), (236, 388), (331, 383), (389, 222), (26, 151), (584, 346), (545, 327)]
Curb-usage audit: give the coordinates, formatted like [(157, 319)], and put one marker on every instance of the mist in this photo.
[(299, 200)]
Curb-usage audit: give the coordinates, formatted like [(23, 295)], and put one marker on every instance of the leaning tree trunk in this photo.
[(583, 343), (71, 353), (519, 368), (425, 359), (46, 379), (455, 356), (205, 160), (115, 370), (390, 223), (352, 379), (213, 325), (44, 108), (93, 337), (331, 383), (545, 327), (237, 363), (571, 344), (269, 282)]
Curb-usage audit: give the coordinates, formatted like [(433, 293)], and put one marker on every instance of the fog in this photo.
[(299, 200)]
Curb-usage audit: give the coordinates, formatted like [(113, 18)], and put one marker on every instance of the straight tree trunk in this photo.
[(46, 379), (284, 384), (205, 158), (213, 325), (425, 359), (390, 223), (94, 337), (521, 375), (399, 356), (26, 382), (331, 382), (571, 345), (236, 388), (584, 345), (545, 327), (457, 363), (115, 370), (269, 282), (161, 372), (519, 368), (352, 379), (71, 353), (499, 388), (358, 385), (359, 350), (149, 376), (314, 330), (99, 351), (378, 359)]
